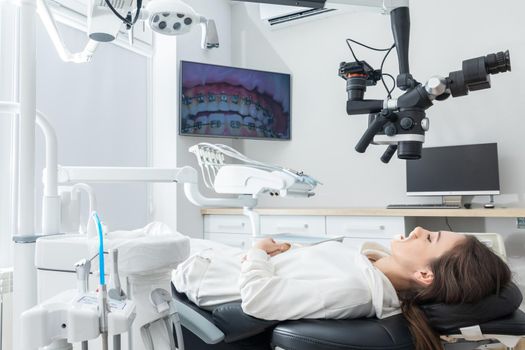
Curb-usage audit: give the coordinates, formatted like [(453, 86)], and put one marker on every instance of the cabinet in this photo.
[(235, 230), (299, 224), (232, 230), (358, 229), (355, 224)]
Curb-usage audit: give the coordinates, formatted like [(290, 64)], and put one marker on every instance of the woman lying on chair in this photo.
[(333, 280)]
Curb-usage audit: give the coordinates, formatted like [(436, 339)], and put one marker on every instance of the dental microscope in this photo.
[(401, 123)]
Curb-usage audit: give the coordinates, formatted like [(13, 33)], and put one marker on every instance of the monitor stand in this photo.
[(452, 201)]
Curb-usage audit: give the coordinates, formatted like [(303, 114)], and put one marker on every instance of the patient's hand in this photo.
[(271, 247)]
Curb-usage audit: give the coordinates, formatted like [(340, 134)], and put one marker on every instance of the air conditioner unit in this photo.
[(278, 16)]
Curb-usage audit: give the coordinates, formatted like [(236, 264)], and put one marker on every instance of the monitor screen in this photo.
[(234, 102), (454, 170)]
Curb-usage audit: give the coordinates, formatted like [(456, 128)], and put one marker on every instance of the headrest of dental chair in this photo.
[(449, 318)]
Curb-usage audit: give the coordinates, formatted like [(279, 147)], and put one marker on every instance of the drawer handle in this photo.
[(364, 228), (293, 228)]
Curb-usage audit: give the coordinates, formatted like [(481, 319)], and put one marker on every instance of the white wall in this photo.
[(170, 149)]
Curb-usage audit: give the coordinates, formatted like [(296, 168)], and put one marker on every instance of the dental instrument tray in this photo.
[(242, 175)]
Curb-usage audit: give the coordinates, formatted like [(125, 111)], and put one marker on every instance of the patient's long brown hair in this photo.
[(467, 273)]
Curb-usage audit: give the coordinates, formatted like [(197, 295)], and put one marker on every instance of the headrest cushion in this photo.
[(444, 318)]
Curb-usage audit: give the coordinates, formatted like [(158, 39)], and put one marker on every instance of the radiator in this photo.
[(6, 308)]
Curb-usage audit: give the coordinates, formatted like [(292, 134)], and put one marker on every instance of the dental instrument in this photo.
[(140, 262), (102, 291), (78, 315)]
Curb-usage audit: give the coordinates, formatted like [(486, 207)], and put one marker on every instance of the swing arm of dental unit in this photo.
[(187, 176), (246, 182)]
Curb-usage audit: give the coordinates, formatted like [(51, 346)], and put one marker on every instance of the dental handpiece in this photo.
[(115, 289), (103, 314), (83, 269)]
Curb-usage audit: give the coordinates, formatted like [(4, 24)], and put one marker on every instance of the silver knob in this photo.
[(436, 86), (425, 124)]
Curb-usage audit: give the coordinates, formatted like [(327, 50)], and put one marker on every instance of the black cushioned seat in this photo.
[(495, 315), (389, 333)]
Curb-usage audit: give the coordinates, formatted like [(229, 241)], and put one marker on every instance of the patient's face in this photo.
[(422, 246)]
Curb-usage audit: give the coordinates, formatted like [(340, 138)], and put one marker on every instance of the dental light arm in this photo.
[(52, 30), (104, 25)]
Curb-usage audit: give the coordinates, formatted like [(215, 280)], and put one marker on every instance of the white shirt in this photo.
[(327, 280)]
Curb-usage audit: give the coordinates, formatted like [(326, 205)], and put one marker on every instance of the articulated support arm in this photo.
[(50, 25)]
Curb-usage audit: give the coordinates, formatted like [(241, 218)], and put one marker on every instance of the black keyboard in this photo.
[(423, 206)]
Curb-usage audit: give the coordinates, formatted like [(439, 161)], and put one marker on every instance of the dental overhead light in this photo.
[(105, 19), (168, 17), (174, 17)]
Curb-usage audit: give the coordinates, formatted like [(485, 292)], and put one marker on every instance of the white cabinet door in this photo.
[(303, 225), (227, 224), (365, 227), (241, 241)]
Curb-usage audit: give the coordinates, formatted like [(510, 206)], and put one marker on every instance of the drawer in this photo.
[(227, 224), (365, 226), (304, 225), (233, 240)]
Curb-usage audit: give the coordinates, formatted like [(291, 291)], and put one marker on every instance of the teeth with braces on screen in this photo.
[(226, 110)]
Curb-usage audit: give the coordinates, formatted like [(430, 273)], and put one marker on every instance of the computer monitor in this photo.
[(221, 101), (454, 171)]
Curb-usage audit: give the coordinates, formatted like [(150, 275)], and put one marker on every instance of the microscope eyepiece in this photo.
[(476, 72), (498, 62)]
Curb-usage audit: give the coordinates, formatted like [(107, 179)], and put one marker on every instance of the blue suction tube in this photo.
[(100, 249)]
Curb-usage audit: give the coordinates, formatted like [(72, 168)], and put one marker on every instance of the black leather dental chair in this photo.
[(466, 326)]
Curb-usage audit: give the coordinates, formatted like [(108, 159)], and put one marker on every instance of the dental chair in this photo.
[(495, 319)]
